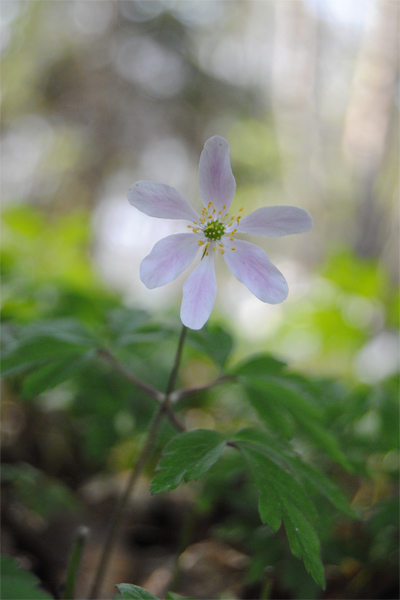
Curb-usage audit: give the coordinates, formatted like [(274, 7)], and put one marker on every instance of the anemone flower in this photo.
[(213, 232)]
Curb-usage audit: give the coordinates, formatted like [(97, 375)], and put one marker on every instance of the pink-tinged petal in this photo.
[(199, 292), (275, 221), (168, 259), (162, 201), (216, 181), (250, 265)]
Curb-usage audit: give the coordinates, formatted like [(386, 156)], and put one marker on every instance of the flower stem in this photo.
[(75, 562), (175, 368), (164, 409)]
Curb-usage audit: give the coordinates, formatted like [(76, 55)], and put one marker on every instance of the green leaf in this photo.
[(268, 408), (282, 497), (188, 456), (28, 353), (151, 336), (45, 342), (17, 584), (49, 375), (129, 591), (281, 402), (38, 492), (318, 482), (125, 320), (312, 479), (66, 330), (132, 327), (260, 365), (214, 341)]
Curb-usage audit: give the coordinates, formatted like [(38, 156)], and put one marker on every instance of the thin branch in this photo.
[(174, 372), (164, 409), (169, 413), (142, 385), (122, 502), (183, 392), (161, 397)]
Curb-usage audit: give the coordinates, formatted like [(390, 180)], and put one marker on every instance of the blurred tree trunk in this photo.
[(369, 121), (294, 93)]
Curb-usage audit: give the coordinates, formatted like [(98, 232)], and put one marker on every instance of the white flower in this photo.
[(214, 232)]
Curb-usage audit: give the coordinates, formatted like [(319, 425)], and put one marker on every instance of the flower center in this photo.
[(214, 230), (214, 226)]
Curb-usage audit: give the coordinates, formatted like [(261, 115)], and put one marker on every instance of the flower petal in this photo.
[(168, 259), (250, 265), (216, 181), (162, 201), (275, 221), (199, 292)]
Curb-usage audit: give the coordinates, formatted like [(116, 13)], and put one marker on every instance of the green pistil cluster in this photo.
[(214, 231)]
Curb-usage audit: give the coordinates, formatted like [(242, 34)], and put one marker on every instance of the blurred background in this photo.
[(99, 94)]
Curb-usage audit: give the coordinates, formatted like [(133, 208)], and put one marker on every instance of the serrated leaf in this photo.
[(318, 482), (17, 584), (129, 591), (214, 341), (268, 409), (322, 438), (260, 365), (188, 456), (310, 476), (282, 497), (268, 393)]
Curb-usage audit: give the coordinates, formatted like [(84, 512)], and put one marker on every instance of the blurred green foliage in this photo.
[(46, 268), (17, 584), (303, 424), (83, 114)]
